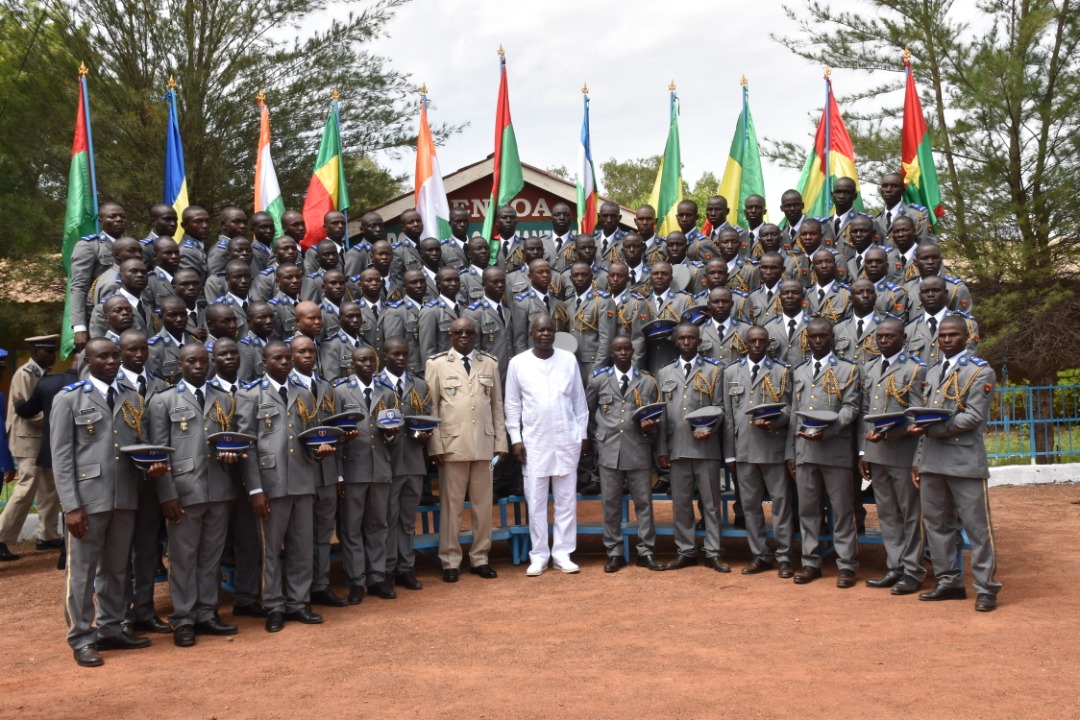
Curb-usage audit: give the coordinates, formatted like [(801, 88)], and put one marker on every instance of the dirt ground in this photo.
[(693, 643)]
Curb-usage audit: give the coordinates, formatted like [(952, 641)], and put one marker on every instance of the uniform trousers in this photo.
[(324, 516), (564, 537), (813, 482), (900, 517), (31, 481), (404, 500), (756, 479), (943, 498), (103, 552), (246, 550), (287, 585), (685, 472), (364, 513), (639, 483), (195, 547), (455, 479), (145, 554)]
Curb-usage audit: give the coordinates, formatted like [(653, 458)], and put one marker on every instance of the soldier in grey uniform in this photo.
[(892, 192), (862, 242), (723, 337), (285, 299), (822, 463), (537, 300), (334, 226), (132, 284), (436, 316), (232, 224), (260, 331), (238, 279), (922, 330), (375, 312), (787, 331), (358, 256), (195, 493), (328, 258), (891, 298), (951, 471), (366, 471), (584, 249), (667, 303), (828, 297), (763, 303), (431, 255), (264, 285), (755, 447), (608, 234), (510, 255), (472, 275), (591, 320), (631, 251), (492, 318), (406, 249), (688, 383), (559, 243), (518, 281), (164, 359), (403, 321), (631, 311), (409, 466), (455, 250), (90, 257), (196, 223), (280, 480), (928, 262), (742, 271), (892, 383), (97, 489), (700, 247), (187, 287), (625, 450), (239, 248), (163, 224), (676, 255), (855, 335), (166, 261), (334, 292), (108, 282), (335, 353)]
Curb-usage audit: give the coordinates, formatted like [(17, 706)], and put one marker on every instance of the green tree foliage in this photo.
[(629, 183), (1000, 84), (706, 186)]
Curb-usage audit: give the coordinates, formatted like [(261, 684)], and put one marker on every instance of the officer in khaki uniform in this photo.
[(951, 469), (466, 393), (24, 441)]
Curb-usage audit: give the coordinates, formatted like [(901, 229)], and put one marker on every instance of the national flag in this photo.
[(832, 157), (742, 175), (667, 190), (430, 191), (916, 156), (508, 179), (267, 191), (81, 214), (586, 176), (176, 190), (327, 190)]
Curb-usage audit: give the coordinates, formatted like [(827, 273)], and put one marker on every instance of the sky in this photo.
[(628, 52)]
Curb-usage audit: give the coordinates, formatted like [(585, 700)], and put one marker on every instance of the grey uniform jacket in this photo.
[(366, 458), (727, 347), (91, 473), (251, 357), (335, 355), (836, 448), (924, 343), (528, 305), (164, 358), (619, 440), (743, 441), (759, 308), (632, 314), (849, 343), (704, 388), (900, 387), (434, 326), (835, 306), (90, 257), (592, 322), (790, 350), (957, 446), (407, 455), (176, 420), (495, 334), (193, 257), (403, 321)]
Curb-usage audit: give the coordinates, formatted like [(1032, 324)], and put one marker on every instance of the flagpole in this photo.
[(828, 138), (84, 88), (745, 103), (671, 89), (337, 122)]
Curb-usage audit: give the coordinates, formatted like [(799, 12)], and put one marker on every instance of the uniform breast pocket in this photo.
[(486, 382), (270, 417), (88, 485), (267, 461), (842, 345), (183, 421), (444, 325), (183, 466), (412, 328), (170, 368), (668, 389), (606, 399), (451, 388), (87, 425)]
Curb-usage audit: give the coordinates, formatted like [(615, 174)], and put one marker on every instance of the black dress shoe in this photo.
[(662, 487), (451, 575), (590, 488), (275, 621), (700, 525), (87, 656), (61, 562), (786, 571), (43, 545), (985, 602), (327, 597), (382, 590), (485, 571), (255, 610), (905, 586), (807, 574), (5, 554), (758, 566), (739, 521), (650, 562), (429, 500), (944, 592), (184, 636), (715, 563), (304, 616), (408, 581), (681, 561), (215, 627), (614, 564), (846, 579), (123, 641), (356, 595), (153, 625), (885, 581)]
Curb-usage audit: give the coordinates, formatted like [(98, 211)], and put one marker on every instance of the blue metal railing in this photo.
[(1030, 422)]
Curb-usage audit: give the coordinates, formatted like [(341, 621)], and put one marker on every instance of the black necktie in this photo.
[(633, 278), (244, 306), (400, 388), (110, 398), (837, 225), (944, 371), (858, 262), (504, 245), (884, 367), (623, 384), (860, 328), (768, 297), (821, 295), (791, 233), (284, 393), (467, 364), (932, 322), (375, 310), (558, 245), (232, 390), (687, 367), (200, 398), (547, 304), (193, 315), (604, 248), (888, 221), (791, 329), (142, 385), (817, 368), (753, 374), (659, 305), (502, 319), (367, 397)]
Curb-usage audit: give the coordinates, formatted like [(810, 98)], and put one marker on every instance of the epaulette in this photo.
[(253, 383), (315, 274), (603, 371), (524, 296), (676, 361), (392, 303), (917, 359), (250, 339), (222, 244), (189, 242), (961, 313), (76, 385), (485, 354), (891, 316), (95, 236), (433, 303), (477, 305), (378, 380), (777, 361), (709, 360), (603, 293), (979, 361), (341, 381), (917, 207), (805, 362), (953, 280), (742, 293), (179, 387), (32, 369), (268, 271), (837, 358), (223, 299), (636, 296), (740, 361), (147, 240), (443, 354)]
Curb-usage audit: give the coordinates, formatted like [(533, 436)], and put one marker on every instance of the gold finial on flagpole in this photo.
[(423, 89), (261, 98), (502, 53), (585, 89), (83, 71), (742, 81), (671, 86), (172, 82), (906, 55), (335, 95), (828, 72)]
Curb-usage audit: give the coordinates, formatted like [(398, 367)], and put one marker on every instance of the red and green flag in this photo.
[(916, 156), (327, 190), (81, 214), (832, 158), (507, 180)]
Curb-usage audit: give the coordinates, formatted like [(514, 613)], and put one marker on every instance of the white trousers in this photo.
[(564, 540)]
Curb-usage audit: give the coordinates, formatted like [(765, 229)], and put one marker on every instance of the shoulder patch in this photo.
[(601, 371), (80, 383), (603, 293), (979, 361), (486, 354), (709, 360)]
